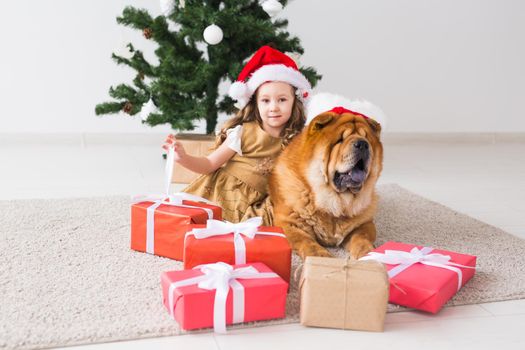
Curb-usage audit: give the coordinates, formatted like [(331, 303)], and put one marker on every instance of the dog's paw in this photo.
[(360, 248), (314, 251)]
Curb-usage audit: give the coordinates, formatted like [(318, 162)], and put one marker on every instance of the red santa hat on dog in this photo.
[(268, 64), (326, 102)]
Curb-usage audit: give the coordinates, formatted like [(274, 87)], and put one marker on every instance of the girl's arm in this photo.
[(202, 165)]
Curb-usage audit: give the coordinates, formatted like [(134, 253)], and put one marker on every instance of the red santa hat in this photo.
[(326, 102), (268, 64)]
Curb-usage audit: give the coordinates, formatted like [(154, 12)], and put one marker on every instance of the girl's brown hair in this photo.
[(250, 113)]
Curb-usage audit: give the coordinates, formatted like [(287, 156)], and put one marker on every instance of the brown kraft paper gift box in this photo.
[(197, 146), (343, 293)]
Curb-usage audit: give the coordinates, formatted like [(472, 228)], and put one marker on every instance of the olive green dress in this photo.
[(240, 186)]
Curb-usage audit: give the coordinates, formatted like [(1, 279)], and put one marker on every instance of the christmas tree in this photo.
[(206, 43)]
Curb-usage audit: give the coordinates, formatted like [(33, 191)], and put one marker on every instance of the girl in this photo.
[(270, 92)]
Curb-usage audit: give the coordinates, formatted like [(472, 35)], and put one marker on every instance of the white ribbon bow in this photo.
[(246, 228), (174, 199), (406, 259), (220, 276)]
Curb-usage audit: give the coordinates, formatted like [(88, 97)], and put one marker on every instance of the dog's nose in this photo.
[(361, 145)]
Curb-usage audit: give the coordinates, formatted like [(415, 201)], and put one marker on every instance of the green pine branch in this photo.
[(109, 108), (311, 74), (122, 91), (184, 83), (135, 18)]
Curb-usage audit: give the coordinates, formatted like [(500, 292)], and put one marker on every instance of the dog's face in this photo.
[(350, 148)]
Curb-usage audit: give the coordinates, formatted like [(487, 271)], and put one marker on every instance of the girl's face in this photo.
[(275, 101)]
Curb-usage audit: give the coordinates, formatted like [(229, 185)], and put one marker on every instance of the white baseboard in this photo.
[(83, 139), (156, 139), (459, 138)]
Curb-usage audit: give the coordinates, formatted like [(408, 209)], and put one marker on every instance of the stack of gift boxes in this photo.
[(232, 272), (240, 272)]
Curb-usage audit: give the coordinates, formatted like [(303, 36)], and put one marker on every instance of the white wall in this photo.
[(56, 60), (434, 65)]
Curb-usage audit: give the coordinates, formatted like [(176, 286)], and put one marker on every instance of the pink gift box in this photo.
[(426, 287), (193, 307)]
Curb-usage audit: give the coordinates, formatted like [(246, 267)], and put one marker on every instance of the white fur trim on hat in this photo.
[(323, 102), (242, 92)]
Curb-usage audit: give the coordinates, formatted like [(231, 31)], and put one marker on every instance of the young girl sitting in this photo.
[(270, 92)]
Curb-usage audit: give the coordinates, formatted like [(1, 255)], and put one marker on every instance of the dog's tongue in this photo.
[(357, 175)]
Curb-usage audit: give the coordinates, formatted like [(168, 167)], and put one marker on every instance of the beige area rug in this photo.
[(67, 275)]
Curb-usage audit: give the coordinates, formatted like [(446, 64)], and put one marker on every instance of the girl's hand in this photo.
[(171, 141), (201, 165)]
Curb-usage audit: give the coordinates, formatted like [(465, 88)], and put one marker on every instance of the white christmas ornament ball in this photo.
[(167, 6), (213, 34), (272, 7)]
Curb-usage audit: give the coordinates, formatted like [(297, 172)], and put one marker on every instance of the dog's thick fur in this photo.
[(323, 185)]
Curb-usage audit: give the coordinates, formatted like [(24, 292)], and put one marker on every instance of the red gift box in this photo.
[(423, 278), (229, 294), (168, 223), (234, 244)]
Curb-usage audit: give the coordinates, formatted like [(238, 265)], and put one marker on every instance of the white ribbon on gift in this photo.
[(404, 260), (174, 199), (246, 228), (220, 277), (168, 172)]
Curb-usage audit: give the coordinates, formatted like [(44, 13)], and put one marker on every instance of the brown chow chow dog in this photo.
[(323, 185)]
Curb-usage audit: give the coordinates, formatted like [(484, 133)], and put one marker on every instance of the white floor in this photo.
[(480, 177)]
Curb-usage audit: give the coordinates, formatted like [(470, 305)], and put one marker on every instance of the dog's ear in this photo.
[(319, 122), (375, 126)]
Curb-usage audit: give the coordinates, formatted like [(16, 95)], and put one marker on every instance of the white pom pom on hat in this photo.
[(239, 92), (268, 64), (325, 102)]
